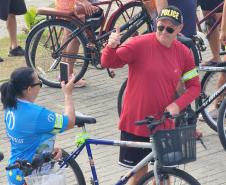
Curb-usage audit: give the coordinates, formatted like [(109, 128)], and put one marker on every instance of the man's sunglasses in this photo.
[(38, 83), (168, 29)]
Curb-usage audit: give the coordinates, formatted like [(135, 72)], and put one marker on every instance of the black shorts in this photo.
[(16, 7), (208, 5), (128, 156)]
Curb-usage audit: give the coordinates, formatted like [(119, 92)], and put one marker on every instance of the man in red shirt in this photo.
[(157, 62)]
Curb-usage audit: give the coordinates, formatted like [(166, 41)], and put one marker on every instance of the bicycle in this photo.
[(221, 124), (162, 157), (45, 39)]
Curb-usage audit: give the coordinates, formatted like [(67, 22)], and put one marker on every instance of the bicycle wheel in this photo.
[(221, 124), (73, 173), (121, 96), (126, 13), (170, 176), (41, 50), (210, 85)]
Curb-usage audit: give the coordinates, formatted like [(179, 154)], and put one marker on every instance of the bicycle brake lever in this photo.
[(154, 124)]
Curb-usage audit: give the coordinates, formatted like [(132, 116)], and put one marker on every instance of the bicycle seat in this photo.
[(55, 12), (81, 119), (96, 19), (185, 40)]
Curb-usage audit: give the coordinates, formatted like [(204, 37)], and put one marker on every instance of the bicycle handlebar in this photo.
[(18, 164), (37, 161), (151, 122)]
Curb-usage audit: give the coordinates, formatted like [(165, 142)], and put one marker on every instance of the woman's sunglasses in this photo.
[(38, 83), (168, 29)]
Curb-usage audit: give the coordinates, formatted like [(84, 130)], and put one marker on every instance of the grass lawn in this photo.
[(10, 63)]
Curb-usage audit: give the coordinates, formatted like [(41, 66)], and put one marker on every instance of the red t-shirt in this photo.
[(154, 73)]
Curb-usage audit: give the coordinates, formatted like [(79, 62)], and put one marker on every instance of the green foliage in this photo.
[(31, 18)]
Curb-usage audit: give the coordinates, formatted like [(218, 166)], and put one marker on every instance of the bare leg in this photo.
[(214, 39), (72, 48), (12, 26), (133, 180)]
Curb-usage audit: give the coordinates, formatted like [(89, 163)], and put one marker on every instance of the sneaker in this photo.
[(1, 60), (18, 51)]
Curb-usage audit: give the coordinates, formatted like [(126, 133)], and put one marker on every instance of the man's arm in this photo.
[(160, 4), (190, 78), (114, 56), (192, 86)]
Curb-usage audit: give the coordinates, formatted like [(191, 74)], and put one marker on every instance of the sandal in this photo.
[(81, 83), (210, 63)]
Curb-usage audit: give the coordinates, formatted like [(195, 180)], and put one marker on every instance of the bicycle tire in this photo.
[(76, 170), (209, 86), (120, 97), (127, 12), (39, 50), (221, 124), (172, 172)]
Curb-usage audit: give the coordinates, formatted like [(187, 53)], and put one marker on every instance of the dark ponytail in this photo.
[(20, 79)]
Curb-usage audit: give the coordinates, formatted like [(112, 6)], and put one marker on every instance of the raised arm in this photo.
[(160, 4), (69, 109)]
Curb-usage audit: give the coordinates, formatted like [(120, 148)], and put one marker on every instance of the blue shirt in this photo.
[(30, 129), (188, 9)]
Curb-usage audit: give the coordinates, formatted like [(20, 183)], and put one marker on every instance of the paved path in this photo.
[(99, 99)]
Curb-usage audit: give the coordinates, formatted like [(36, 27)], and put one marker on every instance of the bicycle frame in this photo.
[(126, 177), (131, 26), (210, 99), (220, 6)]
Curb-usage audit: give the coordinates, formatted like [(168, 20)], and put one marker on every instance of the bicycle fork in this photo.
[(157, 181)]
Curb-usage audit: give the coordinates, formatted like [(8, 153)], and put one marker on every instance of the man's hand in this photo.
[(173, 109), (114, 39)]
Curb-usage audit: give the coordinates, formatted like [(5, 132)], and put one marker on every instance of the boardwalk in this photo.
[(99, 100)]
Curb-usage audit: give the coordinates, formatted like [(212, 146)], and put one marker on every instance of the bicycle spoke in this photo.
[(53, 43)]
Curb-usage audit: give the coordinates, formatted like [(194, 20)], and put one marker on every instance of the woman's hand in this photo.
[(57, 153), (114, 39), (67, 88), (89, 8)]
